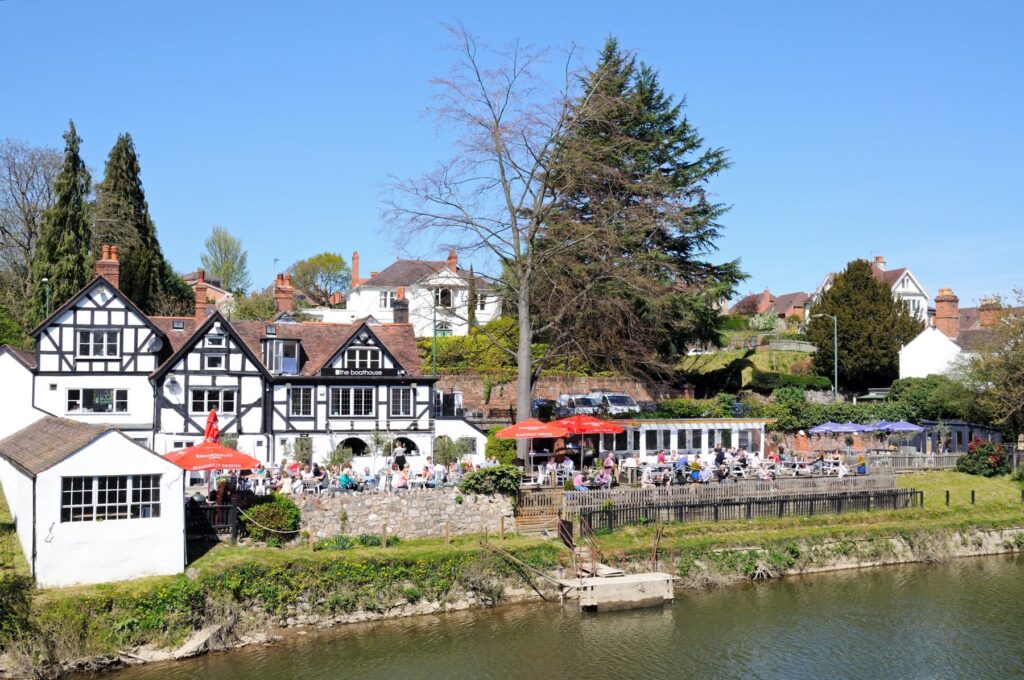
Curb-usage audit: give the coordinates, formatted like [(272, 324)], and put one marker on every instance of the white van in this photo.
[(578, 404), (616, 402)]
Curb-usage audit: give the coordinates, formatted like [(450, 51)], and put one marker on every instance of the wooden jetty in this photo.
[(624, 591)]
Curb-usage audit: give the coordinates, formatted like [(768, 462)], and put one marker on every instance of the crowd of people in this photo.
[(720, 465)]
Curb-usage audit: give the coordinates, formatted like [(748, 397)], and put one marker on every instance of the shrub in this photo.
[(766, 382), (336, 543), (278, 513), (984, 458), (502, 450), (15, 603), (340, 456), (302, 450), (491, 480)]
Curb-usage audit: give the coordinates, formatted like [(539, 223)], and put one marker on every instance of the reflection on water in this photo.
[(959, 620)]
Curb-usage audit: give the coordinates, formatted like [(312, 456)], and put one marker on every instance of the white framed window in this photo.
[(443, 329), (283, 357), (215, 362), (401, 402), (387, 299), (90, 400), (300, 402), (99, 344), (225, 401), (214, 340), (481, 303), (351, 401), (443, 297), (362, 358), (89, 499)]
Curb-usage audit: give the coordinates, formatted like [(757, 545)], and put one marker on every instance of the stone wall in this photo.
[(407, 514), (475, 397)]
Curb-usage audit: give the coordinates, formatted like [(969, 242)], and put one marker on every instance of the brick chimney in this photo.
[(200, 291), (400, 307), (372, 274), (879, 263), (284, 296), (108, 266), (947, 313), (989, 312), (355, 268), (453, 259), (765, 302)]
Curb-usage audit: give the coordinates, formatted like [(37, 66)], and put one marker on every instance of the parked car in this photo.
[(577, 404), (615, 403), (547, 409)]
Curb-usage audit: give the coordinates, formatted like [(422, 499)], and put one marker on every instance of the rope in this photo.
[(265, 528)]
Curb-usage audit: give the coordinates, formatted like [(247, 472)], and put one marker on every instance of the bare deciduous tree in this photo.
[(27, 177), (495, 194)]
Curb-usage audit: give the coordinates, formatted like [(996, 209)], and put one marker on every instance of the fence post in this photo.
[(947, 497), (750, 509), (715, 511), (233, 519), (972, 496)]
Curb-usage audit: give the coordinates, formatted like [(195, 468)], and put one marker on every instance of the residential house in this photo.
[(438, 293), (783, 306), (100, 360), (90, 505), (904, 285), (216, 294), (956, 334)]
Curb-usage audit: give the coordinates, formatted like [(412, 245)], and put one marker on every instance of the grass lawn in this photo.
[(998, 505), (11, 559)]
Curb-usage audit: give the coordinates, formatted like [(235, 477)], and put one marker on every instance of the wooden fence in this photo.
[(610, 519), (552, 502), (210, 521)]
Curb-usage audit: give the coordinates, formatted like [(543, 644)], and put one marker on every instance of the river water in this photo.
[(963, 619)]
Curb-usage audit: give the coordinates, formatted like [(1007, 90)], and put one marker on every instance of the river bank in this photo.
[(235, 596)]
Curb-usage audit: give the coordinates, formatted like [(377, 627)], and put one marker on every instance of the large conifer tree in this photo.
[(636, 226), (872, 326), (62, 253), (122, 218)]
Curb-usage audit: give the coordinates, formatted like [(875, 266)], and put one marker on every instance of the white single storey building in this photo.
[(90, 505)]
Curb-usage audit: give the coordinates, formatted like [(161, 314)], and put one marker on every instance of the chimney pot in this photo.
[(288, 280), (400, 294), (372, 274), (114, 253), (105, 252), (107, 266), (989, 312), (880, 262)]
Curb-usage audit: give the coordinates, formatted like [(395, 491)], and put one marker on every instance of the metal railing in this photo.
[(610, 519)]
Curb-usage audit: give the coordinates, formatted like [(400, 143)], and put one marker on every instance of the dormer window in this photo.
[(214, 362), (99, 344), (178, 324), (215, 341), (443, 297), (271, 330), (283, 357), (362, 358)]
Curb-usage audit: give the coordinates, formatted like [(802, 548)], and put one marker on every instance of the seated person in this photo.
[(578, 483), (722, 473), (705, 474), (862, 465)]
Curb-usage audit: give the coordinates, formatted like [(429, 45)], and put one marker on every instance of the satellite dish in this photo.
[(156, 344)]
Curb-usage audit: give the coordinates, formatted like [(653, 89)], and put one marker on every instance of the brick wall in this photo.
[(504, 396), (407, 514)]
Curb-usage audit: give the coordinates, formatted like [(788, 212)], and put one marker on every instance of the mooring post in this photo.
[(384, 534), (947, 498), (972, 496), (233, 520)]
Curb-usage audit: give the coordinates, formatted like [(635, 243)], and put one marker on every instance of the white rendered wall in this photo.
[(930, 353), (54, 401), (17, 489), (16, 396), (115, 550)]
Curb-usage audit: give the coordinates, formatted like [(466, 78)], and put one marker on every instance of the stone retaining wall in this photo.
[(406, 514)]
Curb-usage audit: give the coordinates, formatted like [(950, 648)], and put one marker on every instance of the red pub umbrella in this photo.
[(210, 455), (584, 424), (532, 429)]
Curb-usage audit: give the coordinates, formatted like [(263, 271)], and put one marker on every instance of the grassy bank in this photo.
[(709, 553), (12, 562), (254, 587)]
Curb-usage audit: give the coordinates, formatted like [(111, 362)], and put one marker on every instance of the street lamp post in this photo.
[(434, 348), (46, 282), (835, 354)]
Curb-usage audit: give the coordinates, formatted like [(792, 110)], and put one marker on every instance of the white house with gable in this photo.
[(904, 285), (90, 505), (438, 293)]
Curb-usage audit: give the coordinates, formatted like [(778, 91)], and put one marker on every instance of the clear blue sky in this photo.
[(883, 128)]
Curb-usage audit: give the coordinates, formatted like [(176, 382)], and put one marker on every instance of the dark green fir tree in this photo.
[(63, 252)]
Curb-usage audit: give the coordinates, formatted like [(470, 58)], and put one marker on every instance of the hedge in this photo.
[(766, 382)]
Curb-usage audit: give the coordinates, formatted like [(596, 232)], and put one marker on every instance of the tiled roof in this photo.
[(784, 303), (890, 276), (747, 302), (192, 277), (48, 441), (320, 341), (975, 339), (408, 272), (28, 359), (176, 338)]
